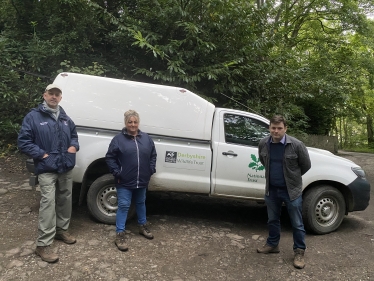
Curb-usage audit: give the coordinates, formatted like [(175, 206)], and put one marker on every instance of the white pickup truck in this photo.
[(201, 149)]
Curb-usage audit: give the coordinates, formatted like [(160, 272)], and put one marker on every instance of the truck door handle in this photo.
[(229, 153)]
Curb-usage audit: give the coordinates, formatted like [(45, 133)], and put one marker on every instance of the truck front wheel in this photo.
[(102, 200), (323, 209)]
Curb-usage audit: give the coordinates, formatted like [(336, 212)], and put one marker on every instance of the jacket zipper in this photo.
[(137, 153)]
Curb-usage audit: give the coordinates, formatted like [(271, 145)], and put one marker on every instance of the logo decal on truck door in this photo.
[(171, 157), (191, 159), (256, 165)]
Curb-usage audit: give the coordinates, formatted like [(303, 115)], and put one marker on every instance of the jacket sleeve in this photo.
[(111, 158), (260, 145), (304, 160), (26, 139), (73, 136), (153, 157)]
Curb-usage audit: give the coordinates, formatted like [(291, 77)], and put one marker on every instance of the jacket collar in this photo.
[(287, 141), (62, 111), (124, 131)]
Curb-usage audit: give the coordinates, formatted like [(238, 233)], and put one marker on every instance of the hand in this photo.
[(72, 149), (45, 155)]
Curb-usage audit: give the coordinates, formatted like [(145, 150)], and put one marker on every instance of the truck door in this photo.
[(236, 169)]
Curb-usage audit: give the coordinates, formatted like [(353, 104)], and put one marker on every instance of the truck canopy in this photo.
[(100, 102)]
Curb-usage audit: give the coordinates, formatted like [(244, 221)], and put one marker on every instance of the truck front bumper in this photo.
[(360, 189)]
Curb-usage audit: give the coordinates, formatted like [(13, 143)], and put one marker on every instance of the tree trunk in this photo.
[(370, 134), (341, 133), (260, 3)]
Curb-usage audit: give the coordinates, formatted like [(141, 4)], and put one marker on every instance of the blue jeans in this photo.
[(274, 206), (124, 197)]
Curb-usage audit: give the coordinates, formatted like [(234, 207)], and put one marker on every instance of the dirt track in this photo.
[(196, 238)]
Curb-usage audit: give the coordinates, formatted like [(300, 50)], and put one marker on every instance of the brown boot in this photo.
[(121, 241), (266, 249), (46, 254), (65, 237), (143, 230), (298, 261)]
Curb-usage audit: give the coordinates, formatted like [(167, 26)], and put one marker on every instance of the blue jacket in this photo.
[(41, 133), (131, 160)]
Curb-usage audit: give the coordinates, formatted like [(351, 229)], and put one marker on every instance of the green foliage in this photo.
[(311, 61), (94, 69)]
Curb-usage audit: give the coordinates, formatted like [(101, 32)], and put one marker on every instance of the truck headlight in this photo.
[(359, 172)]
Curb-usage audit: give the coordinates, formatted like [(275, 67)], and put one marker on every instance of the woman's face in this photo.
[(132, 125)]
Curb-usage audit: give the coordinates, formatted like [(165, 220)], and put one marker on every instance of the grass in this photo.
[(359, 149)]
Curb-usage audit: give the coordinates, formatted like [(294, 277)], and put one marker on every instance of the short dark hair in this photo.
[(276, 119)]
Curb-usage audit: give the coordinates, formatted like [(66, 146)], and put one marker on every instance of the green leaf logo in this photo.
[(255, 164)]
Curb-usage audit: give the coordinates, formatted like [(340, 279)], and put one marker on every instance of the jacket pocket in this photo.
[(70, 160), (50, 163), (292, 161)]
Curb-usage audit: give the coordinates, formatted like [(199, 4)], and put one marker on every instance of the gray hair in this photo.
[(131, 113)]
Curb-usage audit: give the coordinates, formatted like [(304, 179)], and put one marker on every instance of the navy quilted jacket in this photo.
[(132, 160), (41, 133)]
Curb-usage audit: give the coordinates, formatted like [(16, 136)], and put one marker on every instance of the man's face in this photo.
[(277, 131), (52, 97)]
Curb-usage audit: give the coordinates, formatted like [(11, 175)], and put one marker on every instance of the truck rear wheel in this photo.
[(102, 200), (323, 209)]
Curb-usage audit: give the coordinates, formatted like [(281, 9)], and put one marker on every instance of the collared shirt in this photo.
[(283, 140)]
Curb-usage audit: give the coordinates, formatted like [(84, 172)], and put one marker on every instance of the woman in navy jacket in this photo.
[(131, 158)]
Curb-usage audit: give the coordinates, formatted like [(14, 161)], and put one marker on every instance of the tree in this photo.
[(290, 57)]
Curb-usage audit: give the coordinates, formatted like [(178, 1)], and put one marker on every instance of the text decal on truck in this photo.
[(185, 160)]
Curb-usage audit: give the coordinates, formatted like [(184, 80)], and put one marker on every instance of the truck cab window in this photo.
[(244, 130)]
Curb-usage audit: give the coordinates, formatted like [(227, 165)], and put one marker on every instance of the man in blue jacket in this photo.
[(49, 136), (285, 160)]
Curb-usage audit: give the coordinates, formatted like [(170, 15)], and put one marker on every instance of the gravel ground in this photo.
[(196, 238)]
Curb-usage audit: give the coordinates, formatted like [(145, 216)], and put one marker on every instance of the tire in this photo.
[(102, 200), (323, 209)]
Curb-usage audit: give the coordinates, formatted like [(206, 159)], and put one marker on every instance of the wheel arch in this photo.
[(95, 170), (344, 190)]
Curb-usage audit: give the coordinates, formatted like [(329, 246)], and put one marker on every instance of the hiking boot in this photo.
[(46, 254), (143, 230), (298, 260), (121, 241), (266, 249), (65, 237)]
